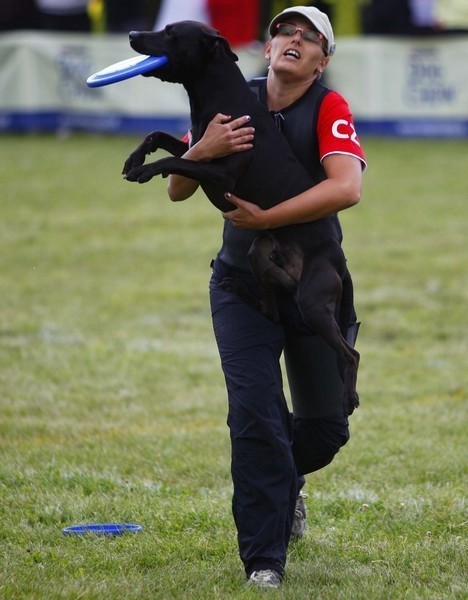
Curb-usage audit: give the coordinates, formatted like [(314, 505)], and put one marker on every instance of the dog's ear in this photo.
[(213, 41)]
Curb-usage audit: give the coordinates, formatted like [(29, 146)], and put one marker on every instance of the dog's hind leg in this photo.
[(236, 286), (347, 306), (317, 296), (151, 143)]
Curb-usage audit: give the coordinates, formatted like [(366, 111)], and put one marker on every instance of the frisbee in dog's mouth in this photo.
[(125, 69)]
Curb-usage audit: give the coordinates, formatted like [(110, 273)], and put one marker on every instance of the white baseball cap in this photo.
[(316, 17)]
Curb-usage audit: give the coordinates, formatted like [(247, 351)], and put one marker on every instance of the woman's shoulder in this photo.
[(336, 130), (333, 100)]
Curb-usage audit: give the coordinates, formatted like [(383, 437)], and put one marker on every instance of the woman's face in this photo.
[(294, 57)]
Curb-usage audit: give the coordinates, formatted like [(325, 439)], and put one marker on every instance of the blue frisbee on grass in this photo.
[(125, 69), (102, 529)]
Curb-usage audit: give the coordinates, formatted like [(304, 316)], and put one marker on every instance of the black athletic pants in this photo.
[(272, 449)]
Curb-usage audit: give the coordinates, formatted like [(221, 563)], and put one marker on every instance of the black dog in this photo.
[(305, 259)]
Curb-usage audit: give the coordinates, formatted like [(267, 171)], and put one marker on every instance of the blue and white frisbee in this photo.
[(102, 529), (125, 69)]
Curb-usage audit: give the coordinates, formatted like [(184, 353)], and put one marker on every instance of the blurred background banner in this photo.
[(43, 86), (404, 86), (396, 86)]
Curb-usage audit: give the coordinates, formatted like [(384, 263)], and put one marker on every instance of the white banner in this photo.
[(414, 87), (404, 86)]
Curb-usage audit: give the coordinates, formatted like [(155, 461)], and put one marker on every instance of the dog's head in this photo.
[(188, 46)]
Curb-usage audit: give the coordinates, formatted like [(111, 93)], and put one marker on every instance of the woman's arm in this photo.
[(222, 137), (341, 190)]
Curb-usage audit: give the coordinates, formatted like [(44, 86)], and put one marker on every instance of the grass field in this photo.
[(112, 404)]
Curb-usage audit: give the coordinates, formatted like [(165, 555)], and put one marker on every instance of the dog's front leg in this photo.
[(209, 173), (151, 143)]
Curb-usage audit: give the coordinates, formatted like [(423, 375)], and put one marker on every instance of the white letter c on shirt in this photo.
[(337, 134)]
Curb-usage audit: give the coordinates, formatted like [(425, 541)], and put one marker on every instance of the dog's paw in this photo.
[(235, 286), (350, 404), (267, 306), (136, 159), (241, 289), (139, 174)]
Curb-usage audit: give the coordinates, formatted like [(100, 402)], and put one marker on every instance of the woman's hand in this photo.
[(223, 136), (246, 215)]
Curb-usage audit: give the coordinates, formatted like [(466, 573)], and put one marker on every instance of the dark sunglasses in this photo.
[(310, 35)]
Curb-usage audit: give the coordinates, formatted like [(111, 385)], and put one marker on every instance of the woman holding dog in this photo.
[(272, 449)]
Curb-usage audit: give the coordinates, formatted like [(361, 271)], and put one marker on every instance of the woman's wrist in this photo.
[(265, 220), (198, 153)]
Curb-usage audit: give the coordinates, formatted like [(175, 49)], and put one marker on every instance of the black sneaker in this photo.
[(300, 517), (264, 579)]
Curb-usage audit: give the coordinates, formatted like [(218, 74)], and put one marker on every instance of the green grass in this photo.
[(112, 404)]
